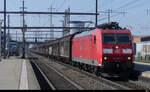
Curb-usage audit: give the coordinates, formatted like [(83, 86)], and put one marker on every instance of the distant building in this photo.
[(73, 24), (76, 24), (146, 38), (142, 47), (141, 38), (136, 39)]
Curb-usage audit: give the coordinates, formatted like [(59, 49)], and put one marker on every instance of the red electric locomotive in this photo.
[(108, 48)]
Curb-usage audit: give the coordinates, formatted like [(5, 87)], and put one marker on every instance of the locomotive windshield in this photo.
[(123, 39), (111, 38)]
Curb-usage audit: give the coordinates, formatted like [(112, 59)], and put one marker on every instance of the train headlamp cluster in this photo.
[(127, 51), (108, 51), (106, 58)]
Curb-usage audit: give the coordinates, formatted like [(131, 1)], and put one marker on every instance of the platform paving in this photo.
[(17, 74)]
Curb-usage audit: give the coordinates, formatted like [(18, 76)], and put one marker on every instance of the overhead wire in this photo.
[(106, 10), (129, 3), (61, 5), (106, 7), (137, 5), (125, 5)]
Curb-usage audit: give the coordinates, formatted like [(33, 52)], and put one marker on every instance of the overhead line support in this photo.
[(59, 13), (4, 29)]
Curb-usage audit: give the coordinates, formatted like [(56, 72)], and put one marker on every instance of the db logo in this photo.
[(117, 51)]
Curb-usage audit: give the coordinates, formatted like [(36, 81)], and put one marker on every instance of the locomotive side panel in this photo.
[(82, 49), (97, 46)]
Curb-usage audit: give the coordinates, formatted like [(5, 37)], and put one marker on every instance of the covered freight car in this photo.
[(65, 45), (61, 48), (55, 48)]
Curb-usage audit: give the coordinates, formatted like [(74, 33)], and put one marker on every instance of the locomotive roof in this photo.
[(107, 26), (86, 33), (110, 26)]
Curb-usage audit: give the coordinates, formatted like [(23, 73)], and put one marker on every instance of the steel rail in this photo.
[(50, 84), (73, 83), (96, 77), (61, 75), (112, 84)]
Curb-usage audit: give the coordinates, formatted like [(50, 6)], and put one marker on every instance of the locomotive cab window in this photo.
[(119, 38), (123, 38), (108, 38)]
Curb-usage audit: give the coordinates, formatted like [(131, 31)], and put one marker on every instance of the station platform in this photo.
[(144, 68), (17, 74)]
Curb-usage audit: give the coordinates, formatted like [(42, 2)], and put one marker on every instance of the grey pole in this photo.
[(23, 32), (4, 29), (8, 36), (96, 11), (0, 40)]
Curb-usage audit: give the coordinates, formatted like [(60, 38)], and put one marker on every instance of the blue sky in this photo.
[(135, 19)]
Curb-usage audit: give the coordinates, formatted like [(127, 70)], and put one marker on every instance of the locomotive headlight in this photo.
[(127, 51), (108, 51), (129, 58), (105, 58)]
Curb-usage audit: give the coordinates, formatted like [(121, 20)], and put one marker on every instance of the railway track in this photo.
[(108, 83), (142, 84), (53, 79), (45, 84), (105, 82), (119, 83)]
